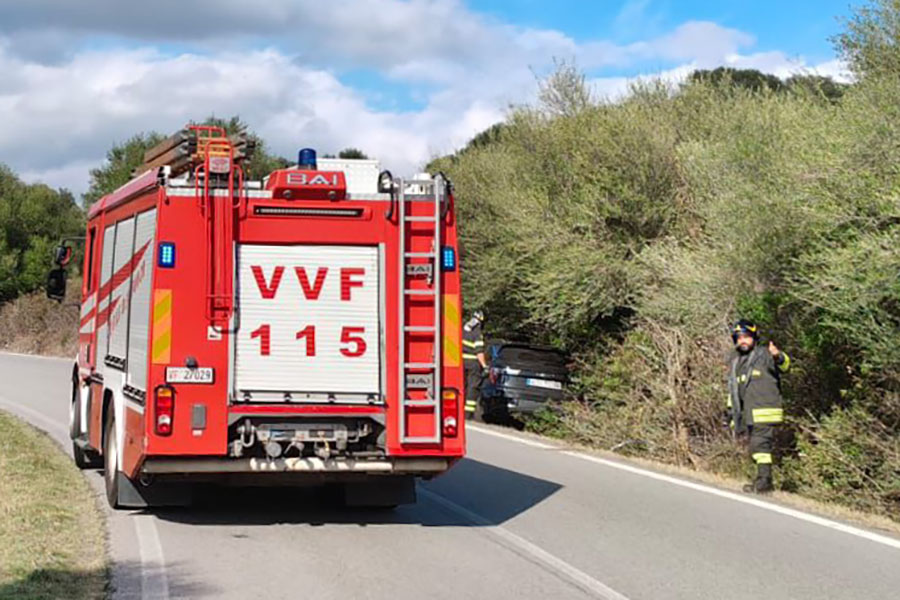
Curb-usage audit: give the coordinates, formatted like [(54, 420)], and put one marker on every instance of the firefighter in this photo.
[(474, 360), (754, 397)]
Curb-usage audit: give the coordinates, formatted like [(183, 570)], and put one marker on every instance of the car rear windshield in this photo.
[(525, 356)]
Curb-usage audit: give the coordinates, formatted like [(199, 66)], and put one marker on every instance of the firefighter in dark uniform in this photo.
[(754, 397), (474, 360)]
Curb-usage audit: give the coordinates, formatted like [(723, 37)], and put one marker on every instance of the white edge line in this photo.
[(69, 359), (790, 512), (154, 581), (576, 576)]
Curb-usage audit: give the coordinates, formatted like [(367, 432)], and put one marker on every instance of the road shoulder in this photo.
[(52, 533)]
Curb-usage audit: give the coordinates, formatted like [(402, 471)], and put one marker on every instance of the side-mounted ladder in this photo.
[(420, 382)]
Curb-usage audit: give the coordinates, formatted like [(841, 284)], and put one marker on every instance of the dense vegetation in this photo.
[(33, 218), (632, 233)]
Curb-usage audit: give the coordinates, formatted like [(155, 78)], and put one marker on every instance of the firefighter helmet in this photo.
[(745, 326), (478, 315)]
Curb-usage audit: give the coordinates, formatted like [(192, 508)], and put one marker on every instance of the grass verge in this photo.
[(52, 539)]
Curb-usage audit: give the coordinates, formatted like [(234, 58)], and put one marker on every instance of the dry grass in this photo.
[(52, 539), (33, 324)]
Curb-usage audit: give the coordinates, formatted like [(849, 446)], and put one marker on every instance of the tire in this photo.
[(111, 462), (74, 411)]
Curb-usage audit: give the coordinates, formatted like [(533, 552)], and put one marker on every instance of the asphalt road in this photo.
[(515, 519)]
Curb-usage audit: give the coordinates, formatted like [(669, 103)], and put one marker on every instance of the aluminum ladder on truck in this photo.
[(417, 378)]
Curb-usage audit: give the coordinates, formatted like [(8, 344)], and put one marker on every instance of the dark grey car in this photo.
[(523, 378)]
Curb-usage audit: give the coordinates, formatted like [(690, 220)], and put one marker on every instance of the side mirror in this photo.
[(63, 255), (56, 284)]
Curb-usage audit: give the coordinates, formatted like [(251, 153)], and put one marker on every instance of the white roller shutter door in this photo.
[(309, 323)]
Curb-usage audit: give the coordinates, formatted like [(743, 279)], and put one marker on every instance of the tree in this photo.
[(750, 79), (564, 92), (870, 42), (817, 85), (33, 218), (352, 153), (121, 160)]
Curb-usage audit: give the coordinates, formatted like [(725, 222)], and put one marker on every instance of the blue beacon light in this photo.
[(306, 159)]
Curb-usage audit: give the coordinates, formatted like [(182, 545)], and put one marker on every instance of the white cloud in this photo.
[(77, 80)]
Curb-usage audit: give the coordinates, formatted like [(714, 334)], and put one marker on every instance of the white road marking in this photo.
[(522, 546), (38, 356), (699, 487), (154, 581)]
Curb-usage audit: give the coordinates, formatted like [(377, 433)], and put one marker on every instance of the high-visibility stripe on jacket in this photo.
[(473, 340), (754, 388)]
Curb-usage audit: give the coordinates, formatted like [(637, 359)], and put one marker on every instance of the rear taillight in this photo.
[(450, 410), (163, 410), (493, 374)]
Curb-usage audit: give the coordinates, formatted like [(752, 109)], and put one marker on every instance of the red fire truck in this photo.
[(303, 329)]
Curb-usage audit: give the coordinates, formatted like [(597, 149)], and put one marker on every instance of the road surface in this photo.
[(516, 519)]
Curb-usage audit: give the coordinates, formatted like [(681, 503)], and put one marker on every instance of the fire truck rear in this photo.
[(303, 329)]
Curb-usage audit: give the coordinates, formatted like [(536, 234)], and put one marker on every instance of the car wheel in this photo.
[(111, 463)]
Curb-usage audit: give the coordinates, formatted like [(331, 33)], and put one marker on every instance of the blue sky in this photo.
[(404, 80)]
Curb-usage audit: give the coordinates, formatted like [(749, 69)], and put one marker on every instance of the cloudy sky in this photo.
[(404, 80)]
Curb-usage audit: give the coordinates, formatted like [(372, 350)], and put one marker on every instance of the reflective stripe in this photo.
[(756, 373), (786, 364), (451, 331), (728, 401), (743, 379), (762, 458), (768, 415), (161, 346), (467, 356), (478, 344)]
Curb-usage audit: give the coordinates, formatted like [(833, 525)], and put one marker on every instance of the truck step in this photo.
[(419, 402)]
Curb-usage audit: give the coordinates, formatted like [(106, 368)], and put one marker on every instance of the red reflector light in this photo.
[(163, 410), (450, 411)]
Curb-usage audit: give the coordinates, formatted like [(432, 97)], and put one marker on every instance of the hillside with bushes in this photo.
[(631, 234)]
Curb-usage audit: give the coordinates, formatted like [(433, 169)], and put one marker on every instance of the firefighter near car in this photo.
[(300, 330), (755, 407), (475, 362)]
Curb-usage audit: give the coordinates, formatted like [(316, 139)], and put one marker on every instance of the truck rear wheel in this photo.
[(111, 462)]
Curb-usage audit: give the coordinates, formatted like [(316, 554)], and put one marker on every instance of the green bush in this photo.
[(631, 234)]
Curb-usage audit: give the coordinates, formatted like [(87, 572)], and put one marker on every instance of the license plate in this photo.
[(186, 375), (544, 383)]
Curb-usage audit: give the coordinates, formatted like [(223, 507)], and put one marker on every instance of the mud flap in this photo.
[(137, 495), (381, 492)]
